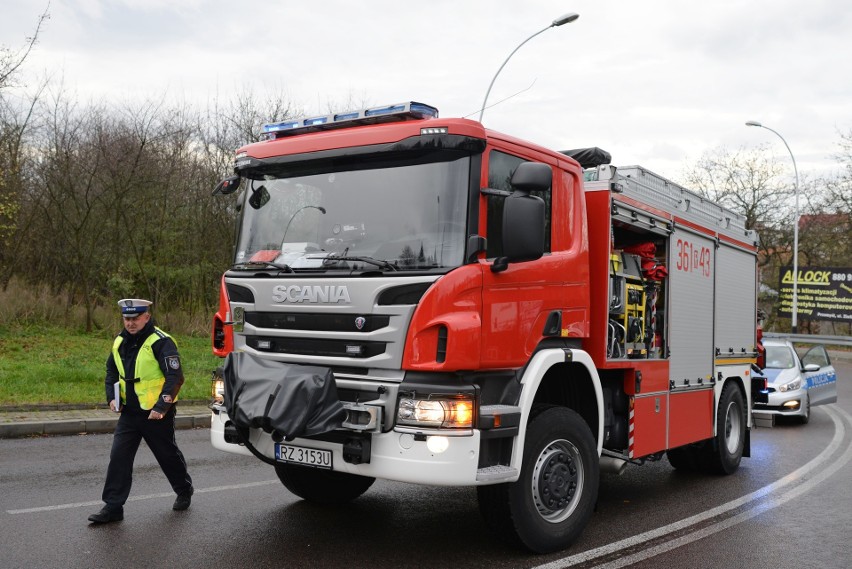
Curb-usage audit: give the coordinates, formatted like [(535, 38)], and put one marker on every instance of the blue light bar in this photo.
[(347, 116), (426, 111), (390, 113), (276, 127), (383, 110)]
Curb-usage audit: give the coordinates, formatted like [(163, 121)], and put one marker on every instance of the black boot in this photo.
[(183, 501), (107, 515)]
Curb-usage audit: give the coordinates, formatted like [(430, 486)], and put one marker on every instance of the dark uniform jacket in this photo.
[(163, 348)]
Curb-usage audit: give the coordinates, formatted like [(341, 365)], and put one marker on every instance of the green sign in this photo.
[(823, 293)]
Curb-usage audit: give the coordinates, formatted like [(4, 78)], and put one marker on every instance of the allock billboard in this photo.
[(823, 293)]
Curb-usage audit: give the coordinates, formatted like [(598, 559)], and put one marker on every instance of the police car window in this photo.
[(779, 357), (816, 355), (501, 166)]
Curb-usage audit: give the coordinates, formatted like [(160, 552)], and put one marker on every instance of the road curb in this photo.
[(77, 426)]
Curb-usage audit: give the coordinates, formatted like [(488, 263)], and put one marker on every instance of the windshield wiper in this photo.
[(252, 265), (377, 262)]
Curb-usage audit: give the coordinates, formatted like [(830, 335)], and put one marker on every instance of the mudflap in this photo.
[(285, 400)]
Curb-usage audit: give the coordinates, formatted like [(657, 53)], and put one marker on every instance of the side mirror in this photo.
[(811, 367), (524, 215), (259, 197), (532, 177), (227, 186), (523, 227)]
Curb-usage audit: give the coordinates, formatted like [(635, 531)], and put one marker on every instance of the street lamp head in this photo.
[(569, 17), (566, 19), (753, 123)]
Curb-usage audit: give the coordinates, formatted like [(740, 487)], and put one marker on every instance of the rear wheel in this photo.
[(549, 505), (322, 486), (722, 455)]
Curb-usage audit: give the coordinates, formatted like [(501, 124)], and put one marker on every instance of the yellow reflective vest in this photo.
[(148, 372)]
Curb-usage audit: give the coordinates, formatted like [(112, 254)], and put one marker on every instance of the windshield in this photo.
[(391, 218), (779, 357)]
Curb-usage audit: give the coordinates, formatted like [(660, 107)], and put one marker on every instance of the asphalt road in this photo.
[(789, 505)]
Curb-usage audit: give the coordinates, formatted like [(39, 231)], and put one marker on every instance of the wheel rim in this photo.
[(733, 428), (557, 481)]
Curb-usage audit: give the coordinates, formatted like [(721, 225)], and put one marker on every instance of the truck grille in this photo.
[(317, 322), (315, 347)]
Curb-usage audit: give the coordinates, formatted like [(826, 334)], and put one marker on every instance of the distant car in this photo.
[(795, 385)]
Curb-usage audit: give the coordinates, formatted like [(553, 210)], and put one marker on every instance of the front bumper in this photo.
[(788, 404), (400, 456)]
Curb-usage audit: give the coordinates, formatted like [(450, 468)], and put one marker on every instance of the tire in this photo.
[(695, 457), (549, 505), (682, 458), (724, 453), (322, 486)]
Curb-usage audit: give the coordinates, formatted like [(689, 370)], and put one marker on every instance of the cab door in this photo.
[(532, 299)]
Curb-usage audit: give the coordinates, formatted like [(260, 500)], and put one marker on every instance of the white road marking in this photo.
[(144, 497), (676, 527)]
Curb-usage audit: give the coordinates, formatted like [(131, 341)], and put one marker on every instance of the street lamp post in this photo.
[(794, 325), (567, 18)]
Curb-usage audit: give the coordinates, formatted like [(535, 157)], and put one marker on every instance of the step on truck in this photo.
[(425, 300)]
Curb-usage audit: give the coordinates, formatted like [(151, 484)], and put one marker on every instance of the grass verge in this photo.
[(55, 366)]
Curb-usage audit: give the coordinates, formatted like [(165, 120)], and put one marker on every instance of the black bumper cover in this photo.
[(285, 400)]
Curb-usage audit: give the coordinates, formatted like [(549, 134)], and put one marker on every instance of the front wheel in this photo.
[(682, 458), (322, 486), (550, 504)]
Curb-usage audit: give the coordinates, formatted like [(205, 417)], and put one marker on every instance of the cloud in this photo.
[(654, 82)]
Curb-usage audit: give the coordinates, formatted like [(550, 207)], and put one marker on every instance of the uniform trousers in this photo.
[(159, 435)]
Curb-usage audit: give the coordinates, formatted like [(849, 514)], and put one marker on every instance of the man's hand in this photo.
[(155, 415)]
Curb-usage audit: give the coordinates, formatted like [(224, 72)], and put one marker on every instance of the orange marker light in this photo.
[(463, 414)]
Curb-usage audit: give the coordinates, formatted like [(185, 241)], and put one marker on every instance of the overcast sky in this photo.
[(655, 82)]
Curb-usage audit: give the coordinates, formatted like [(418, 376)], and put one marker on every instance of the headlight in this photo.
[(792, 386), (217, 391), (436, 413)]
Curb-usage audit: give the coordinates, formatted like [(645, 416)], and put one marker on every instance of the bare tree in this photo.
[(11, 60), (233, 123), (746, 181), (839, 188), (15, 120), (17, 116), (750, 183), (112, 201)]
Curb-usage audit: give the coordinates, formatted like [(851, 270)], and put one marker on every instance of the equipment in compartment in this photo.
[(616, 331), (636, 281), (634, 308)]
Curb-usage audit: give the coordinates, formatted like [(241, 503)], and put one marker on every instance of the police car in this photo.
[(796, 384)]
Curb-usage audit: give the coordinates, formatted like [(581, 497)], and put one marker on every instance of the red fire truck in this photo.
[(425, 300)]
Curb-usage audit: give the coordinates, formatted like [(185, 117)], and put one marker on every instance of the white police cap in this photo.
[(133, 306)]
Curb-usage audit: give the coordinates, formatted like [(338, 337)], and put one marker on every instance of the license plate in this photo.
[(318, 458)]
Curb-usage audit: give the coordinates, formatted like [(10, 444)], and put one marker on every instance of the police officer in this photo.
[(146, 365)]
